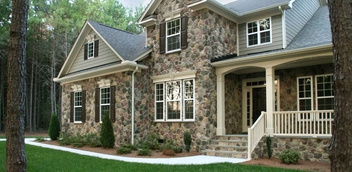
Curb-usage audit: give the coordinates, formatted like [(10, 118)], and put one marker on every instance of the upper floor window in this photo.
[(259, 32), (91, 49), (173, 35)]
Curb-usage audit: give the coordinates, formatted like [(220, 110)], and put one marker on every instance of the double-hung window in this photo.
[(173, 35), (104, 102), (78, 107), (305, 93), (174, 100), (90, 50), (324, 92), (259, 32)]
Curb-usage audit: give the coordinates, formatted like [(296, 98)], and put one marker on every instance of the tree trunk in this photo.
[(53, 88), (341, 141), (16, 92), (31, 99), (35, 97), (2, 83)]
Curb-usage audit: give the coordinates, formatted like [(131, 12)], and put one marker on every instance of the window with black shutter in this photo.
[(173, 35), (91, 49)]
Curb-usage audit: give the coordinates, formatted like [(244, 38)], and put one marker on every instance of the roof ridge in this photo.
[(114, 28)]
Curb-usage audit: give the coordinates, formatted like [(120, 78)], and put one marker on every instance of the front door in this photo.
[(259, 102)]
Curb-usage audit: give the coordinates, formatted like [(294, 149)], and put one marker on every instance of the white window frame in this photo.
[(90, 43), (181, 101), (259, 32), (172, 35), (106, 104), (159, 101), (311, 92), (316, 91), (77, 106)]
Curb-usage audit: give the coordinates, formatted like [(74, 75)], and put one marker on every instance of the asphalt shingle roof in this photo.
[(245, 6), (128, 45), (316, 32)]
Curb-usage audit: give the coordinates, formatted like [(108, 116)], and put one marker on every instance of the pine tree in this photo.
[(54, 127), (107, 137)]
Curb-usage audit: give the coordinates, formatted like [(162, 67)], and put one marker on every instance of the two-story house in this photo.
[(229, 74)]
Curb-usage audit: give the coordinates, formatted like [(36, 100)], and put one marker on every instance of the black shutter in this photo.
[(96, 48), (112, 104), (84, 106), (72, 106), (184, 22), (85, 51), (162, 38), (97, 105)]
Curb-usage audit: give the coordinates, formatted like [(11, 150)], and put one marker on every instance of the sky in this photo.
[(134, 3)]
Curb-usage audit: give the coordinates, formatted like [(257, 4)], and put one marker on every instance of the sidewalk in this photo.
[(200, 159)]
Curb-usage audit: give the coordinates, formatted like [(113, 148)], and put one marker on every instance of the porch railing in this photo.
[(256, 132), (303, 123)]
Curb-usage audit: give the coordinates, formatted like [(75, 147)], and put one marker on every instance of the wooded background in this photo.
[(53, 26)]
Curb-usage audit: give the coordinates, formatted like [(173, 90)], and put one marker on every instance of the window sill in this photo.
[(78, 122), (173, 51), (251, 46), (172, 121)]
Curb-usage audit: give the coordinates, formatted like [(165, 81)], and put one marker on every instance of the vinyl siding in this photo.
[(297, 17), (106, 55), (276, 34)]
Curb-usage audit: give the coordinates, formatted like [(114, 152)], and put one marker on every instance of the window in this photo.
[(324, 92), (174, 100), (90, 50), (305, 93), (259, 32), (104, 102), (173, 35), (78, 107)]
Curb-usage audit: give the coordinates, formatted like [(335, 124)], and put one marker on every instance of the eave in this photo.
[(122, 67)]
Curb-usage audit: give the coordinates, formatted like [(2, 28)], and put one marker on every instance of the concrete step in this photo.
[(228, 154), (228, 148), (230, 142)]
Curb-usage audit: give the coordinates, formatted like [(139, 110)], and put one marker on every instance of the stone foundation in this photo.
[(311, 149)]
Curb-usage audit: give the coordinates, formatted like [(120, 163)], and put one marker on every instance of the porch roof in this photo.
[(316, 33)]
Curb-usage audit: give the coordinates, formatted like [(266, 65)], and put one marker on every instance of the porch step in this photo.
[(234, 146)]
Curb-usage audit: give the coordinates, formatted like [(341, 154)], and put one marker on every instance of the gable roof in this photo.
[(243, 7), (316, 33), (128, 45)]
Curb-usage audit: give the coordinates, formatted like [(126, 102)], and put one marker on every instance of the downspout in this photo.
[(132, 140)]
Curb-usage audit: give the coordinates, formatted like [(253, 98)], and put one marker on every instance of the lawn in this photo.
[(42, 159)]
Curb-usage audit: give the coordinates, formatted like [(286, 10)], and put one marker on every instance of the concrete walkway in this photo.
[(199, 159)]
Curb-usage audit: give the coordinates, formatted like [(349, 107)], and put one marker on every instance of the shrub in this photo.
[(168, 145), (78, 140), (92, 140), (107, 137), (177, 149), (268, 146), (289, 156), (151, 142), (65, 139), (144, 152), (169, 152), (130, 146), (188, 140), (40, 139), (54, 127), (123, 150)]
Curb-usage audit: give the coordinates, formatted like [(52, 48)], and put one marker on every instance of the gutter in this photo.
[(272, 55), (132, 132)]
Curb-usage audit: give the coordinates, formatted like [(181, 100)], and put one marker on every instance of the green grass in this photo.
[(43, 160)]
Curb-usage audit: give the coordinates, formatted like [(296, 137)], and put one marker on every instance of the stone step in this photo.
[(228, 154), (228, 148), (231, 137), (230, 142)]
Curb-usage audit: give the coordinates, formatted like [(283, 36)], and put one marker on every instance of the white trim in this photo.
[(159, 101), (259, 32), (184, 100), (106, 104), (174, 100), (177, 34), (76, 88), (284, 34), (174, 76), (74, 106), (311, 92), (90, 57), (104, 83), (316, 91)]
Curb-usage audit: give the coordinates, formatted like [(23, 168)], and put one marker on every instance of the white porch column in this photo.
[(270, 98), (220, 107)]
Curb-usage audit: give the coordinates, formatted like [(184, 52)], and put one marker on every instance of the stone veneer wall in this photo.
[(311, 149), (122, 126), (233, 104), (209, 35)]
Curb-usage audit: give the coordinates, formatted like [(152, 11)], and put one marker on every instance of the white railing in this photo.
[(303, 123), (256, 132)]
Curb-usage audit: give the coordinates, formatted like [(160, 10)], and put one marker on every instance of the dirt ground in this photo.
[(274, 162)]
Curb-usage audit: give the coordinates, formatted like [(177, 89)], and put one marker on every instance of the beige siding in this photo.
[(106, 55), (297, 17), (276, 38)]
